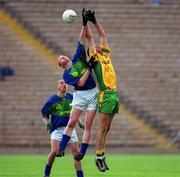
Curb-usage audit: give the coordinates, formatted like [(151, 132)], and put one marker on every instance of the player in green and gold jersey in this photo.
[(108, 100)]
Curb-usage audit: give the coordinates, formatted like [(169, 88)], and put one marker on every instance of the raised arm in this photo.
[(90, 40), (84, 78), (82, 36), (99, 29), (102, 34)]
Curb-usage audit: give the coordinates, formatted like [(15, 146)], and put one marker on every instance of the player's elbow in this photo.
[(80, 83), (71, 125)]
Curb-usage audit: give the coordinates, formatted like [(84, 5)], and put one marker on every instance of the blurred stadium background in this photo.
[(145, 44)]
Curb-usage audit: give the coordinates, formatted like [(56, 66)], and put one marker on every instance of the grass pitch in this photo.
[(120, 166)]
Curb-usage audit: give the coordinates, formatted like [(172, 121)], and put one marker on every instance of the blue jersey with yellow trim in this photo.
[(79, 65), (58, 110)]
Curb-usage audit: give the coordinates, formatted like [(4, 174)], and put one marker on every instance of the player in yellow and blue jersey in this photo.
[(108, 100), (78, 74), (56, 113)]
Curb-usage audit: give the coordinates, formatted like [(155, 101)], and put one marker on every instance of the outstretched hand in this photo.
[(84, 17), (91, 16), (48, 126)]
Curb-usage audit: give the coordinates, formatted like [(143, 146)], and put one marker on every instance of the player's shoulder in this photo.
[(66, 75), (66, 72), (52, 98)]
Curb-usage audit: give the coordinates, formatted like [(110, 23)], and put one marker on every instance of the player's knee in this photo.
[(55, 149), (88, 127), (72, 124), (75, 152), (53, 152), (102, 130)]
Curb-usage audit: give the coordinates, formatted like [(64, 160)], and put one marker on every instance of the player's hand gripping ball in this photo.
[(69, 16)]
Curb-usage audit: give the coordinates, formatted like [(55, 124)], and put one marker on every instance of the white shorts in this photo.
[(58, 133), (85, 99)]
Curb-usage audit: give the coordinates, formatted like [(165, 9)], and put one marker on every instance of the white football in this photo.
[(69, 16)]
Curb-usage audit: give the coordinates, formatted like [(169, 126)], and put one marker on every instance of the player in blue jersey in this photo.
[(78, 74), (55, 113)]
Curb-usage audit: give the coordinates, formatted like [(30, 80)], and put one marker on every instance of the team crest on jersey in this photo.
[(74, 74), (58, 106)]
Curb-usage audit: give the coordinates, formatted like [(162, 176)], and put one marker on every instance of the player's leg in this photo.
[(90, 115), (91, 106), (101, 130), (74, 117), (107, 128), (89, 118), (111, 116), (78, 105), (113, 104), (108, 105), (100, 139), (77, 164), (51, 157), (73, 145)]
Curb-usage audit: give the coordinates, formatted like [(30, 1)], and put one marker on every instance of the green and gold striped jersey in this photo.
[(103, 68)]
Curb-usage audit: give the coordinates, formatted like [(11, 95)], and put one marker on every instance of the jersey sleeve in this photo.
[(45, 111), (70, 80), (80, 52)]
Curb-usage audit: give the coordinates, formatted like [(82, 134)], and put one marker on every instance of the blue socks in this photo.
[(83, 149), (80, 173), (64, 141), (47, 170)]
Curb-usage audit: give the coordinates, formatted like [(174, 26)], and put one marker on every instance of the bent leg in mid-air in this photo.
[(74, 118), (90, 115), (105, 121)]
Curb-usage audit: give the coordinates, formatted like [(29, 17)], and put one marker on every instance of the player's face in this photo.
[(63, 61), (61, 86)]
